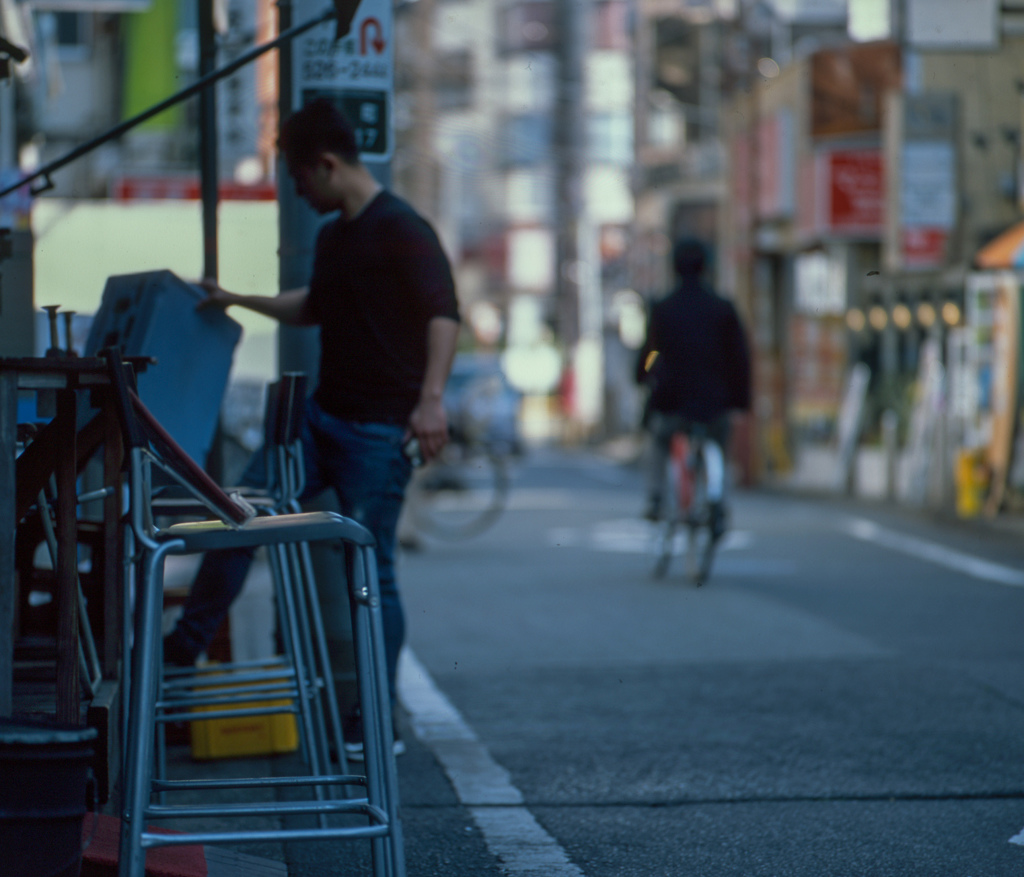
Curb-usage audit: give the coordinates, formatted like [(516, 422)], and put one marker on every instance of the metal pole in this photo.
[(298, 348), (208, 138), (569, 148)]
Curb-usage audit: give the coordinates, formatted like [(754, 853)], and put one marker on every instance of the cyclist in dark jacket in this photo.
[(696, 364)]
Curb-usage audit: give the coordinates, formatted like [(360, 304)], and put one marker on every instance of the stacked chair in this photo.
[(155, 697), (299, 681)]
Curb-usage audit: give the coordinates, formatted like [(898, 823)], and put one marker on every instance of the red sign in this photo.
[(856, 191), (187, 189), (924, 247)]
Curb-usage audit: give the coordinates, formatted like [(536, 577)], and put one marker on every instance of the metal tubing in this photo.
[(279, 556), (308, 657), (367, 675), (385, 728), (227, 672), (219, 668), (240, 696), (145, 679), (278, 808), (284, 835), (260, 782), (166, 718), (320, 637)]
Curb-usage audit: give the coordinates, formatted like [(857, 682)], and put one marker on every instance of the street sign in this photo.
[(356, 72), (368, 113)]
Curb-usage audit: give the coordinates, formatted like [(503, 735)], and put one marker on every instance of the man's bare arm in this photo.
[(428, 421), (290, 306)]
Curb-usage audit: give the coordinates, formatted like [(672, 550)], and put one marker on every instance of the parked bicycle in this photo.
[(696, 463), (465, 490)]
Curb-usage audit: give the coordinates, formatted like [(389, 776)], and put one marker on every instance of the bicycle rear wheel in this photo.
[(460, 494)]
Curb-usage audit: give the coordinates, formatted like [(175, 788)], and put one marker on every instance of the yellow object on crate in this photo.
[(245, 735)]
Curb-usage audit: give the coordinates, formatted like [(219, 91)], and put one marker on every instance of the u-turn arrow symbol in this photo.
[(378, 37)]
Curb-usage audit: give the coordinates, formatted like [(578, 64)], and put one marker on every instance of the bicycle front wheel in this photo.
[(460, 494), (700, 544)]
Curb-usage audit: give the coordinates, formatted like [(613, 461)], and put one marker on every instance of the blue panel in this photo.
[(154, 314)]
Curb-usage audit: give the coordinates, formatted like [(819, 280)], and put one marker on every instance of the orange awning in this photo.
[(1006, 250)]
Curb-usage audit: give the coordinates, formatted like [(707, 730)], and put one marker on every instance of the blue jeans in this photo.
[(363, 463)]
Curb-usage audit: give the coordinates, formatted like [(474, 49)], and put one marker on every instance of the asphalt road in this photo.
[(844, 697)]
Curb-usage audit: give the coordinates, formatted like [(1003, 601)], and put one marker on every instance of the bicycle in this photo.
[(462, 492), (693, 452)]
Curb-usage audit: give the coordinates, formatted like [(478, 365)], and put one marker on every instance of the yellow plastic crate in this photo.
[(245, 735)]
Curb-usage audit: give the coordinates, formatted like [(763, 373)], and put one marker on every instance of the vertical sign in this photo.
[(356, 72), (921, 157)]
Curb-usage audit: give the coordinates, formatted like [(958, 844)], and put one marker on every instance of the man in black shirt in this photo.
[(383, 296), (696, 363)]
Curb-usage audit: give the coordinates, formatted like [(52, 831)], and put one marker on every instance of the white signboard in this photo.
[(953, 24), (820, 284), (356, 72)]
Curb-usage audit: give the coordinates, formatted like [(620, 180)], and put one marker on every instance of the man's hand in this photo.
[(216, 296), (429, 423)]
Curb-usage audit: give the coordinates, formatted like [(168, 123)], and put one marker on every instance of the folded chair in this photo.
[(234, 525)]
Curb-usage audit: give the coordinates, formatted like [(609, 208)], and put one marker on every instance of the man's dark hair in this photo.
[(318, 127), (689, 257)]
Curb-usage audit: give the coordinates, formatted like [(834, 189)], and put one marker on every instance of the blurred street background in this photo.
[(854, 165), (845, 695)]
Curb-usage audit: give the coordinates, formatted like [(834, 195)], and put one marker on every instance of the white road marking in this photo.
[(630, 536), (1018, 838), (481, 784), (977, 567)]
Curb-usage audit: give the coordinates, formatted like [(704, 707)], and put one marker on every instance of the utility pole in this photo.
[(298, 348), (578, 275), (569, 159), (424, 172)]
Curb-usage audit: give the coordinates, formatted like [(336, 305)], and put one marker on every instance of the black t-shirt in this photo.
[(378, 280)]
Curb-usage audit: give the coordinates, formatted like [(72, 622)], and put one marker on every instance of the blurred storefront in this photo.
[(865, 181)]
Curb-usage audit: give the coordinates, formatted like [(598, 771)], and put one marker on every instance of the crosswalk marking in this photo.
[(630, 536)]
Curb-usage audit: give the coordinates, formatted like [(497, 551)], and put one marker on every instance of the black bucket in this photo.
[(44, 772)]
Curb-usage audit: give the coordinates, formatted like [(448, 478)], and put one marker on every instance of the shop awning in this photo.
[(1006, 250)]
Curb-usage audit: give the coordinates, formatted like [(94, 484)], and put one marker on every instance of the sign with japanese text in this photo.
[(921, 161), (854, 190), (356, 72)]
